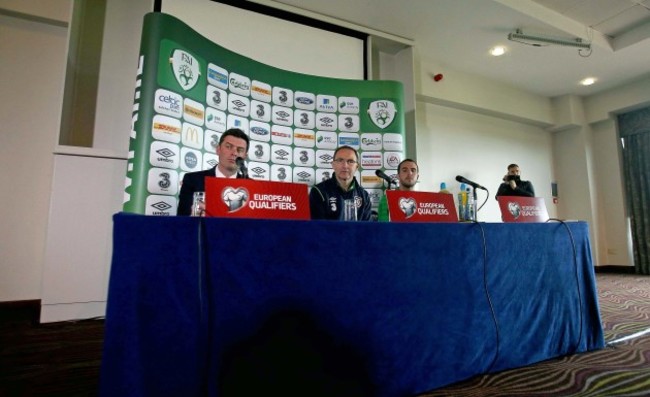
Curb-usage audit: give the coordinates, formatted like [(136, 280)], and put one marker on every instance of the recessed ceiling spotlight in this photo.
[(588, 81), (497, 51)]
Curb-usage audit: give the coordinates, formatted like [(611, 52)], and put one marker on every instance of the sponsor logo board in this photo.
[(260, 111), (259, 131), (160, 205), (192, 136), (165, 128), (239, 84), (305, 100), (162, 181), (261, 91), (348, 104), (304, 138), (191, 159), (259, 151), (216, 97), (168, 103), (193, 111), (282, 96), (217, 76), (164, 155)]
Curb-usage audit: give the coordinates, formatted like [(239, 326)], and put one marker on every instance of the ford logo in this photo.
[(304, 101), (259, 131)]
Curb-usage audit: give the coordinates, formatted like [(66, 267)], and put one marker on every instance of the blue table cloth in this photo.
[(219, 307)]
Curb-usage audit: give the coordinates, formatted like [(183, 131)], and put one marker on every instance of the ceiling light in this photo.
[(539, 40), (498, 51), (588, 81)]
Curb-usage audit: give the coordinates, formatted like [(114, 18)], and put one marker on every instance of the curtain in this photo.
[(634, 129)]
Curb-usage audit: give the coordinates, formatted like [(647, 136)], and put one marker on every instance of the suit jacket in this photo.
[(193, 182)]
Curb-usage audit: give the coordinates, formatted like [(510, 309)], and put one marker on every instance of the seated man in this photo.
[(407, 175), (232, 144), (326, 199), (513, 185)]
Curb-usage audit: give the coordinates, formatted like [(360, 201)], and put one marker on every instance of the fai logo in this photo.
[(382, 113), (514, 209), (235, 199), (185, 68), (407, 205)]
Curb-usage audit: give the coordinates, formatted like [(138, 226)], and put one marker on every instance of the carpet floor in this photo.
[(63, 359)]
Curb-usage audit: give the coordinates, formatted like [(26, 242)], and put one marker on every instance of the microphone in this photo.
[(466, 181), (385, 177), (242, 167)]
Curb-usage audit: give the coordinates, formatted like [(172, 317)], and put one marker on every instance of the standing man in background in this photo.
[(327, 199), (233, 143), (407, 174), (513, 185)]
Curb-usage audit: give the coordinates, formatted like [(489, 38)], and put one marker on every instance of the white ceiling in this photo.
[(457, 34)]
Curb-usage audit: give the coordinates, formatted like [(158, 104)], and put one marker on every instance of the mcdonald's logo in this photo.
[(192, 135)]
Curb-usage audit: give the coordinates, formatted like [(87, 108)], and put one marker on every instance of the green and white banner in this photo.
[(190, 90)]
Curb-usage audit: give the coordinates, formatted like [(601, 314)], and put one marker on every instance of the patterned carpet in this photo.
[(621, 369), (63, 359)]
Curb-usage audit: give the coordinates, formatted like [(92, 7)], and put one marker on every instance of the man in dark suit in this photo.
[(233, 143)]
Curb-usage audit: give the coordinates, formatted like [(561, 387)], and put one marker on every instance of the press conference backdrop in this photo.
[(190, 90)]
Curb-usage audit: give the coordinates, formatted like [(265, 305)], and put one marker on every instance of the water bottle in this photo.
[(462, 203), (470, 211), (443, 188)]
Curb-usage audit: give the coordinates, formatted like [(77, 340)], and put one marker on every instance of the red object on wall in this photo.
[(437, 77)]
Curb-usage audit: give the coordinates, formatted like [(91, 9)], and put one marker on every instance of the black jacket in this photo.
[(524, 188), (326, 200), (193, 182)]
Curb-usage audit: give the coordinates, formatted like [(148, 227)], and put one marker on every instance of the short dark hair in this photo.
[(347, 147), (237, 133), (404, 161), (512, 165)]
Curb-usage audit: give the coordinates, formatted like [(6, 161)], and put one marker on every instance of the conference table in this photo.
[(223, 306)]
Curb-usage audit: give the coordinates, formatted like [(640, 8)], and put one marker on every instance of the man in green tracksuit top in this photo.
[(407, 174)]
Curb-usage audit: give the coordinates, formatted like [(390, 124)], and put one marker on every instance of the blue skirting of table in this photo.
[(221, 307)]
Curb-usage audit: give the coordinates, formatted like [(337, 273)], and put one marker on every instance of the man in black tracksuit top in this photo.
[(327, 198), (513, 185)]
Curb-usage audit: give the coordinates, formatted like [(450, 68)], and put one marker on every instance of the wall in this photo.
[(118, 68), (613, 226), (31, 69), (570, 140), (458, 142), (87, 185)]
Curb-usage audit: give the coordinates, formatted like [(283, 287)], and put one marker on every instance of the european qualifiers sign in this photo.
[(522, 209), (409, 206), (247, 198), (190, 90)]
